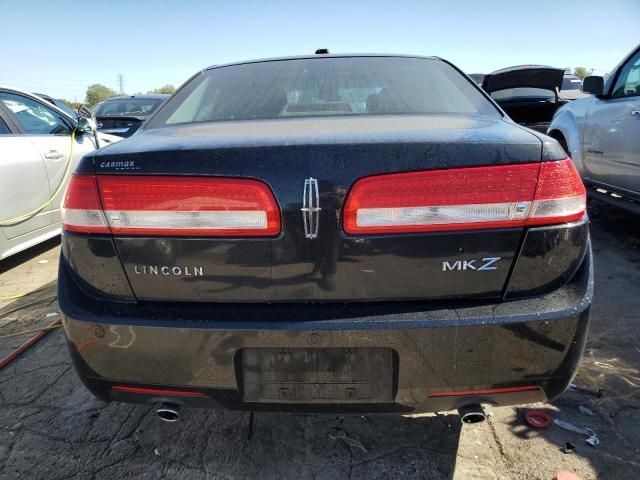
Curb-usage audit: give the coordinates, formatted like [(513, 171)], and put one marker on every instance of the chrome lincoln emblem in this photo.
[(311, 208)]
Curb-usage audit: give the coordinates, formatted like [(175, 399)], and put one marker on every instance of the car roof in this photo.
[(44, 95), (322, 56), (146, 96), (35, 96), (16, 89)]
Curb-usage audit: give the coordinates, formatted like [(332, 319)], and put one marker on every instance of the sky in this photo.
[(61, 47)]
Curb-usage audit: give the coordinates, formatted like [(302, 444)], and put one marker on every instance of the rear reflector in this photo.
[(189, 206), (485, 392), (157, 391), (466, 199)]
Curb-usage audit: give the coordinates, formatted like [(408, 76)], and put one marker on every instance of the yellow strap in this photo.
[(20, 295), (26, 216), (22, 307)]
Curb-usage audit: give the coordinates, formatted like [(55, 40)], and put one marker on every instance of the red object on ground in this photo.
[(537, 419), (25, 346), (564, 475)]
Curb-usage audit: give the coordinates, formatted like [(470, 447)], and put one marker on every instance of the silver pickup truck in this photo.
[(601, 133)]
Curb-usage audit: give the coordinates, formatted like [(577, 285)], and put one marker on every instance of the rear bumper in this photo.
[(508, 353)]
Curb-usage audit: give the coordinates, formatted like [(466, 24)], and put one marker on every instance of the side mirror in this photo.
[(84, 112), (593, 85), (86, 125)]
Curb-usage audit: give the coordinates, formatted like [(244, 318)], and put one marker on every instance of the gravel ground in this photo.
[(52, 428)]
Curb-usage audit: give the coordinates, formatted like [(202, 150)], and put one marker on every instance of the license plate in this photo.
[(317, 375)]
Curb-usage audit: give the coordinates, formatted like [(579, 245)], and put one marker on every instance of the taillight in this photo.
[(190, 206), (466, 199), (81, 209), (560, 195)]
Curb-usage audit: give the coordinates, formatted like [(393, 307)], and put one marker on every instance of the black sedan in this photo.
[(328, 233), (122, 116)]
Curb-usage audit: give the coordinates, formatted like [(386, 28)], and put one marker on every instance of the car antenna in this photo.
[(322, 51)]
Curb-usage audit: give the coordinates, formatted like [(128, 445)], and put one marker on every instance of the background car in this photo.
[(531, 94), (602, 134), (122, 116), (35, 145), (528, 93), (94, 108), (477, 77), (61, 105), (571, 88)]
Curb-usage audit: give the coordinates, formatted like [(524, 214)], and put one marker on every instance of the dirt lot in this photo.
[(51, 427)]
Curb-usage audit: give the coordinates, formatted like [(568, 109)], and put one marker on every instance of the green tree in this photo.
[(166, 89), (580, 72), (96, 93)]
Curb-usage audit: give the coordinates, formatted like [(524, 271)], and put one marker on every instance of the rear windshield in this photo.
[(324, 87), (571, 84), (128, 106)]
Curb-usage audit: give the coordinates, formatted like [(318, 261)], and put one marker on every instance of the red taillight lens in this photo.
[(81, 209), (560, 195), (465, 199), (190, 206)]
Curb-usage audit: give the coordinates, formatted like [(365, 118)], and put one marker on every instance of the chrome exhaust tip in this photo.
[(168, 412), (472, 414)]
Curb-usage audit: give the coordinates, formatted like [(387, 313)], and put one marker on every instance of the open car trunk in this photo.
[(529, 94)]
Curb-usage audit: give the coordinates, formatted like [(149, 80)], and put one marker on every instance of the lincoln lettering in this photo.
[(168, 270)]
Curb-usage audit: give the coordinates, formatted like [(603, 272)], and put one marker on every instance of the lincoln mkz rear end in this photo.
[(327, 234)]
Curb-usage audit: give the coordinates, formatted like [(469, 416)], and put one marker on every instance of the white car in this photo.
[(601, 133), (35, 164)]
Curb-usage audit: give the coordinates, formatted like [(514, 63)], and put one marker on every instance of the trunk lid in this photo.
[(525, 76), (334, 266)]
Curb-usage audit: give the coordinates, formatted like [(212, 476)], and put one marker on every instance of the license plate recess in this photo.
[(317, 375)]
